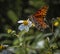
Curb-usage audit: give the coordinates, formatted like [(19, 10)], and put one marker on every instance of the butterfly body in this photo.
[(39, 18)]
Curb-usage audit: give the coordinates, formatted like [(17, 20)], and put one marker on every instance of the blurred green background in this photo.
[(13, 10)]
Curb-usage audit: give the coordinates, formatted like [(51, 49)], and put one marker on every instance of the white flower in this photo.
[(40, 44), (25, 25)]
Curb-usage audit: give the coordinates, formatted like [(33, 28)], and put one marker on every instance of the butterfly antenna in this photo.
[(52, 27)]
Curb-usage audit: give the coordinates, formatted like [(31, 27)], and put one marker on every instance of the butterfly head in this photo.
[(31, 18)]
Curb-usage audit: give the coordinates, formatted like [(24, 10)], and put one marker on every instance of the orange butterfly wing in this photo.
[(41, 12), (38, 18)]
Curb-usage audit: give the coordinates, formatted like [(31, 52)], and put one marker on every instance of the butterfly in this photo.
[(39, 19)]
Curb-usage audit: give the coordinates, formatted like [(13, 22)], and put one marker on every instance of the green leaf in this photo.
[(12, 16)]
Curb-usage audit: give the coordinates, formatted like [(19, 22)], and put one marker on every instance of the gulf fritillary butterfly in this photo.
[(39, 18)]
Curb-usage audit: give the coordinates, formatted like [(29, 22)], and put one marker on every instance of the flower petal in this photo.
[(26, 28), (21, 27), (29, 23), (21, 21)]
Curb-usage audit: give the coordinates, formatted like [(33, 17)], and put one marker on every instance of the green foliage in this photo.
[(12, 16), (26, 43), (37, 3)]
